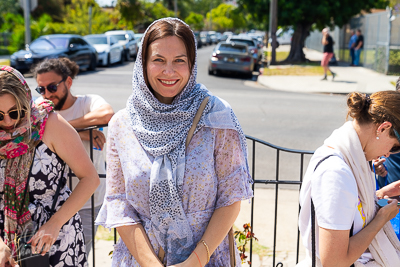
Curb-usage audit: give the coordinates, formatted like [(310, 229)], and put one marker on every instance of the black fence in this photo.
[(259, 160)]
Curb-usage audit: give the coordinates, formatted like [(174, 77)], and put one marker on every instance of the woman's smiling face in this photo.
[(7, 103), (167, 68)]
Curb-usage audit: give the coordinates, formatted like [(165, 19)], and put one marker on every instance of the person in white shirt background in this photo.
[(54, 78)]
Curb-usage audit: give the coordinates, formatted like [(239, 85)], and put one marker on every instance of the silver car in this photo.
[(231, 57), (127, 40), (253, 46), (108, 49)]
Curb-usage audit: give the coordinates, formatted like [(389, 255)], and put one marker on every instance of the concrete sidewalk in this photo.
[(348, 79)]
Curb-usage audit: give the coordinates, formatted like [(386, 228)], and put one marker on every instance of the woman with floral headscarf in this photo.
[(163, 196), (35, 145)]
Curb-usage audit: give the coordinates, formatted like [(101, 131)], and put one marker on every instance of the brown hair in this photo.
[(62, 66), (379, 107), (166, 28), (9, 84)]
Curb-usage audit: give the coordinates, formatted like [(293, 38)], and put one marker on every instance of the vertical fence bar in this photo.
[(253, 174), (298, 230), (276, 204), (92, 198)]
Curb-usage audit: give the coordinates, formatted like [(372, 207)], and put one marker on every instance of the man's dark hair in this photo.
[(359, 30)]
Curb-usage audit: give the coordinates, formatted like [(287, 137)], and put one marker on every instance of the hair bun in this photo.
[(358, 105)]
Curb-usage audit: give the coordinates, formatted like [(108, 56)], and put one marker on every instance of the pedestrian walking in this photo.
[(327, 42), (339, 220), (177, 165), (352, 42), (358, 47)]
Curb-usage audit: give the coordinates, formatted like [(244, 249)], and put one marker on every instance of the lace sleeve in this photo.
[(116, 210), (234, 182)]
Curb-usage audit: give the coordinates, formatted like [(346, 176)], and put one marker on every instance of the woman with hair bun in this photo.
[(350, 228)]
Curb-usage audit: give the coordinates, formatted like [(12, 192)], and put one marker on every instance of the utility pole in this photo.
[(210, 15), (90, 19), (176, 8), (27, 12), (273, 25)]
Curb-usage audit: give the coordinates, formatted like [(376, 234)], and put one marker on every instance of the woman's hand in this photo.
[(389, 211), (5, 256), (380, 167), (45, 237)]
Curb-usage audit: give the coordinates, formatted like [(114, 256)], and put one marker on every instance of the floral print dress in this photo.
[(46, 173), (215, 177)]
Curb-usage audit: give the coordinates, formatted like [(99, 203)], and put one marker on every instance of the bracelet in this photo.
[(208, 251), (197, 258)]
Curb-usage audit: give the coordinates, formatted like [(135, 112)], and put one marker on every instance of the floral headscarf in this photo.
[(17, 147), (162, 129)]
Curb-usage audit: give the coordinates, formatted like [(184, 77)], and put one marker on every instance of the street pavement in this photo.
[(348, 79), (285, 118)]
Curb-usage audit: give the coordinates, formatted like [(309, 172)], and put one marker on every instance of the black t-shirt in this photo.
[(359, 39), (328, 48)]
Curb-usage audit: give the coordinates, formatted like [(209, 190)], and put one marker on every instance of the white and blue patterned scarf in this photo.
[(162, 129)]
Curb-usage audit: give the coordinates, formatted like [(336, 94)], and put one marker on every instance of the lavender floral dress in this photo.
[(45, 174), (215, 177)]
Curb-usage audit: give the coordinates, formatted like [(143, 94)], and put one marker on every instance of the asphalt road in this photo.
[(286, 119)]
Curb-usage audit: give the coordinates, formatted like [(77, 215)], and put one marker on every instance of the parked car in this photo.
[(108, 49), (71, 46), (127, 40), (198, 39), (232, 57), (205, 38), (253, 47), (213, 37), (283, 36)]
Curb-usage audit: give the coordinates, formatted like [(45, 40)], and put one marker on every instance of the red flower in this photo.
[(18, 150)]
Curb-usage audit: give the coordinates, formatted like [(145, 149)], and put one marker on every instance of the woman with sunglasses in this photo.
[(339, 188), (35, 145)]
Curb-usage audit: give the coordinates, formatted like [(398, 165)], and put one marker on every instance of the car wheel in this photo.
[(122, 57), (210, 71), (93, 64), (128, 56), (108, 60), (249, 75)]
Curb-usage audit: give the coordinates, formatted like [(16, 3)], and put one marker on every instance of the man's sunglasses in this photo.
[(13, 114), (52, 88), (396, 148)]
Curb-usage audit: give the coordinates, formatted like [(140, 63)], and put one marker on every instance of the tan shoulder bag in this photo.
[(161, 252)]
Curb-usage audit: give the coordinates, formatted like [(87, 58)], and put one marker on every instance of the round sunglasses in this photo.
[(13, 114), (52, 88)]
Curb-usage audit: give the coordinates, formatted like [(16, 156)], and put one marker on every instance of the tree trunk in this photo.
[(296, 54)]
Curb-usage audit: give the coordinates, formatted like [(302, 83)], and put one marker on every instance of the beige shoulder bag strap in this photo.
[(161, 252)]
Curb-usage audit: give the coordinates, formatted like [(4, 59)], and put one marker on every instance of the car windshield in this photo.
[(120, 37), (49, 44), (248, 42), (232, 48), (203, 34), (96, 40)]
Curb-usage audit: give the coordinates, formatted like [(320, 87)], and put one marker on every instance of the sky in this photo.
[(106, 2)]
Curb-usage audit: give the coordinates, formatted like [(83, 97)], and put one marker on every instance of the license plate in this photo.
[(231, 59)]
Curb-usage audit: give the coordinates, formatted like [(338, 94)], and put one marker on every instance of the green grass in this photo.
[(280, 56), (105, 234), (295, 70), (5, 62)]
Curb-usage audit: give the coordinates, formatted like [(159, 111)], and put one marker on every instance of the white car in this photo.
[(127, 40), (108, 49)]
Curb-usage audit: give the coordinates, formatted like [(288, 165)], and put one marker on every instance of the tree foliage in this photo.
[(131, 12), (54, 8), (195, 21), (225, 17)]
